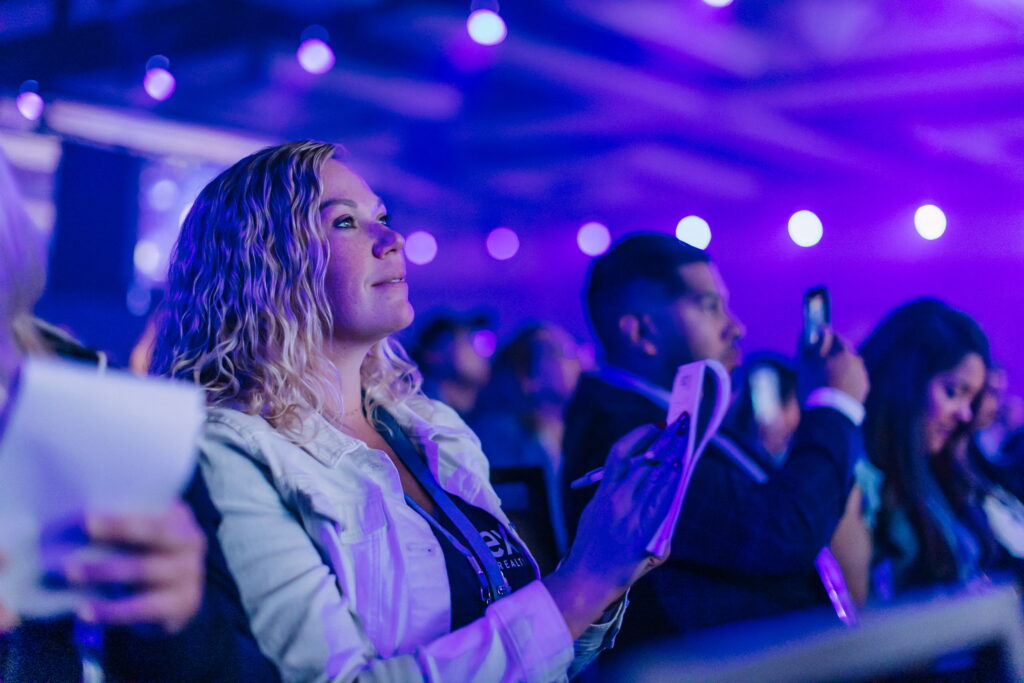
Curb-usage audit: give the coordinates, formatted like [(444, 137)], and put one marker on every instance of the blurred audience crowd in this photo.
[(900, 461)]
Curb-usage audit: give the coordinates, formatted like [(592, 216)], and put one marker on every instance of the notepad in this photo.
[(702, 389)]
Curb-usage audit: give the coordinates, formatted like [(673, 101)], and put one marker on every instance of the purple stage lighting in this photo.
[(159, 83), (315, 56), (484, 343), (805, 228), (718, 3), (930, 222), (502, 244), (30, 105), (695, 231), (593, 239), (486, 27), (420, 247)]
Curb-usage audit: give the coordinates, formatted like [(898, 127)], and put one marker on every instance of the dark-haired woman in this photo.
[(939, 521)]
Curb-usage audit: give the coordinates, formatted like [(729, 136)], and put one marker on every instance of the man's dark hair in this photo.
[(635, 268)]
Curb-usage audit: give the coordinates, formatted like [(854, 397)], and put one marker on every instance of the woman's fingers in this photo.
[(151, 569), (165, 608), (648, 469), (172, 531), (157, 558), (618, 462)]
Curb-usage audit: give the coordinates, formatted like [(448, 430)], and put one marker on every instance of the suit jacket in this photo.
[(742, 549)]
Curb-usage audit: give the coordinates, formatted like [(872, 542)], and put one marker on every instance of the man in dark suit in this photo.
[(748, 536)]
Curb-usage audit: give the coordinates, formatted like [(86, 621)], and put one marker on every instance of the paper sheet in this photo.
[(78, 441)]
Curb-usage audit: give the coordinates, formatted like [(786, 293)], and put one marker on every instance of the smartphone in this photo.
[(764, 394), (817, 314)]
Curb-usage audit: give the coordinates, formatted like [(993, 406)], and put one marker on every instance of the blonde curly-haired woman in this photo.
[(355, 515)]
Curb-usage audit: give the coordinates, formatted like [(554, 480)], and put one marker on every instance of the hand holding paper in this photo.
[(78, 443), (609, 553)]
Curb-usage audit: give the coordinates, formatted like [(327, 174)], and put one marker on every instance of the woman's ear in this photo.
[(638, 332)]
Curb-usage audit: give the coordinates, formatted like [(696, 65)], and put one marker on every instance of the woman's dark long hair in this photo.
[(913, 344)]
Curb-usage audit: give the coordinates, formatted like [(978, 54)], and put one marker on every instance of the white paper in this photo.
[(687, 395), (81, 442)]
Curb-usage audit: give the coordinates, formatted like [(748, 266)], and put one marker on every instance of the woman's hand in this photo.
[(609, 553), (159, 558)]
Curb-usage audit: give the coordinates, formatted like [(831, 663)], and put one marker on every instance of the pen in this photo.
[(594, 476)]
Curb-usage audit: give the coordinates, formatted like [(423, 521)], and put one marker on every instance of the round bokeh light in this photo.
[(502, 244), (159, 83), (930, 222), (30, 105), (695, 231), (805, 228), (486, 27), (420, 247), (485, 342), (315, 56), (593, 239)]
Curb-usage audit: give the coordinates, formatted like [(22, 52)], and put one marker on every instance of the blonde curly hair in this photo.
[(246, 314)]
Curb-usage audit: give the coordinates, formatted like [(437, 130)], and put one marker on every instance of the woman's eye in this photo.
[(344, 222), (385, 220), (950, 391)]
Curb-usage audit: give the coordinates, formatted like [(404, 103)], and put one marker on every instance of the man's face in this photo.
[(698, 324)]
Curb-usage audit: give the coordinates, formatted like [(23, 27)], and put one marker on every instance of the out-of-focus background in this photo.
[(617, 116)]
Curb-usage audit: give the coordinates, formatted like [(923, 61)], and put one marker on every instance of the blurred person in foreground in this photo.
[(749, 534), (938, 519), (360, 532), (519, 420), (158, 628)]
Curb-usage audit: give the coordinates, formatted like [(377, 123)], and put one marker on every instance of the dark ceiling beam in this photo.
[(128, 42)]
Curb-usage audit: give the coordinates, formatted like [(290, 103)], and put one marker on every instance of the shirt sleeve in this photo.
[(312, 631), (732, 522), (598, 637), (829, 397)]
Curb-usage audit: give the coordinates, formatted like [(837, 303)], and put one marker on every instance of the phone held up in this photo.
[(817, 314)]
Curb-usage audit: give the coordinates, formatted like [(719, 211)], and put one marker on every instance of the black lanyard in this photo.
[(493, 584)]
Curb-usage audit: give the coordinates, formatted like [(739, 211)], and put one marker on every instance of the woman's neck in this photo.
[(348, 360)]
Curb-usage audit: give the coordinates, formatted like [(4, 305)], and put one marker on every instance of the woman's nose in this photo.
[(387, 240)]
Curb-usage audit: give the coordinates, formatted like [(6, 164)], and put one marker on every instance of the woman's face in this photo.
[(950, 395), (369, 297)]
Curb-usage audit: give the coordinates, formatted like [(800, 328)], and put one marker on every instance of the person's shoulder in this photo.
[(236, 420), (430, 420), (437, 413), (595, 398), (237, 429)]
